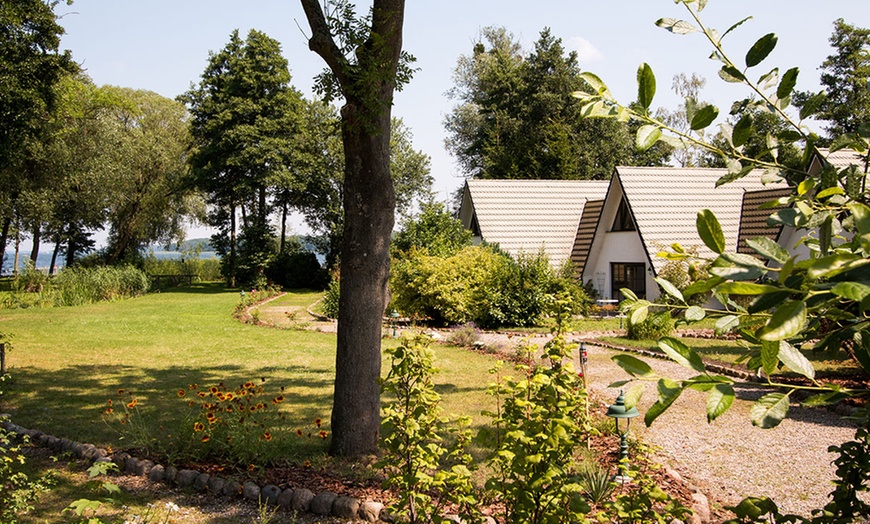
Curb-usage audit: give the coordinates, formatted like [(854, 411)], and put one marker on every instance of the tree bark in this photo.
[(54, 256), (369, 207), (34, 253)]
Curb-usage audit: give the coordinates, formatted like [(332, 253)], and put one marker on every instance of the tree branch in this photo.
[(322, 42)]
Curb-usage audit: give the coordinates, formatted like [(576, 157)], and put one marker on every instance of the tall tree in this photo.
[(845, 101), (148, 202), (245, 116), (30, 67), (516, 117), (688, 89), (364, 57)]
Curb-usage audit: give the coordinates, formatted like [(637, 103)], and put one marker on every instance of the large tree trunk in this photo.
[(369, 203), (369, 206)]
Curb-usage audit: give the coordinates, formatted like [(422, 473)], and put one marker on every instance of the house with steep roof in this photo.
[(646, 209), (528, 216)]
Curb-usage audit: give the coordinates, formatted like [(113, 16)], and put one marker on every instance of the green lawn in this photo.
[(68, 362)]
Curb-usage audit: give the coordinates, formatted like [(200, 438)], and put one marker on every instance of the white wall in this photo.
[(616, 246)]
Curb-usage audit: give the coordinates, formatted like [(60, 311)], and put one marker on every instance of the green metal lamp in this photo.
[(394, 317), (617, 411)]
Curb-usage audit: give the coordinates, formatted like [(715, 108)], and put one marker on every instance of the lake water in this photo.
[(44, 259)]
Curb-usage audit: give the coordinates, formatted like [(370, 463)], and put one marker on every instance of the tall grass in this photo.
[(78, 286)]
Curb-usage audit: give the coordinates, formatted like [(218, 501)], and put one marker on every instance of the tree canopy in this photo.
[(516, 119), (245, 118)]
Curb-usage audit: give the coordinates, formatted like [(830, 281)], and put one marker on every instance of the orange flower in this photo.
[(109, 410), (229, 409), (229, 396), (181, 392), (201, 394), (133, 403), (121, 391), (267, 436), (210, 417), (193, 386), (277, 400), (307, 464), (249, 385), (318, 422), (199, 426), (299, 432), (323, 434), (251, 467), (213, 389), (205, 438), (261, 406), (220, 396)]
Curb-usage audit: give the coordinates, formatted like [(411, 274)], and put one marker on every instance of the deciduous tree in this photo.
[(364, 57)]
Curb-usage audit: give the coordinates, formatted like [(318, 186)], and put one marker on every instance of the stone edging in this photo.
[(300, 499)]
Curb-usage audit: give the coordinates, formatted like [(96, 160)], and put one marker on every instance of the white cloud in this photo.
[(586, 51)]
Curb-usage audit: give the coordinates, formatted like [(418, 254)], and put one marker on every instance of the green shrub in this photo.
[(482, 285), (297, 270), (653, 327), (203, 269), (31, 280), (329, 304)]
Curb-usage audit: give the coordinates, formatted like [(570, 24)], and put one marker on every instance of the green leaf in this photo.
[(731, 74), (596, 84), (787, 321), (742, 130), (678, 27), (646, 85), (823, 399), (769, 411), (735, 26), (747, 288), (633, 365), (786, 85), (704, 117), (695, 313), (825, 193), (711, 231), (669, 391), (743, 260), (861, 216), (681, 354), (647, 136), (759, 51), (719, 400), (834, 265), (727, 323), (794, 360), (633, 396), (768, 248), (769, 356), (638, 315), (852, 290), (812, 105), (670, 289)]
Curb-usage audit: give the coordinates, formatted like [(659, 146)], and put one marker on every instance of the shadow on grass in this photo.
[(71, 402), (201, 288)]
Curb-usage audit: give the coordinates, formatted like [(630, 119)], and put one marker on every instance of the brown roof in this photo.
[(585, 234), (753, 219)]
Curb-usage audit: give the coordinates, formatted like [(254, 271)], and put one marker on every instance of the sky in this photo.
[(163, 46)]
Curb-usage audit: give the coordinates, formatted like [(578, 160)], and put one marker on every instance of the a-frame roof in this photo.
[(665, 202), (529, 215)]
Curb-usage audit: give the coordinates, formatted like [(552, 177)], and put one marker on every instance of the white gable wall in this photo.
[(614, 246)]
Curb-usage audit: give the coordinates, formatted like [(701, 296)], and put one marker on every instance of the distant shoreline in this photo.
[(44, 259)]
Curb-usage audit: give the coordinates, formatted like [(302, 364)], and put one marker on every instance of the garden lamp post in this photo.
[(394, 319), (618, 411)]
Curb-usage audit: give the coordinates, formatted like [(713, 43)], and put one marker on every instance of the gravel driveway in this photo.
[(730, 458)]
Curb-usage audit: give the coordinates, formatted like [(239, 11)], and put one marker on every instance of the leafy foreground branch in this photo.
[(778, 301)]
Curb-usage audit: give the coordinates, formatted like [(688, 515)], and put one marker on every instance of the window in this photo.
[(627, 275), (623, 221)]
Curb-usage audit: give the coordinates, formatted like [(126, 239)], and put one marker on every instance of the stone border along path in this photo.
[(729, 459)]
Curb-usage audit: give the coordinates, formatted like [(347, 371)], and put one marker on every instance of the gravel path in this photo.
[(730, 458)]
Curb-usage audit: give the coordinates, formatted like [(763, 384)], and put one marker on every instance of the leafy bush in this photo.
[(31, 280), (434, 232), (297, 270), (465, 336), (329, 304), (653, 327), (479, 284), (77, 286)]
